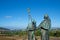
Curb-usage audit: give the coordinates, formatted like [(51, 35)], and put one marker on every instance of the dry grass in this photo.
[(6, 38), (24, 38)]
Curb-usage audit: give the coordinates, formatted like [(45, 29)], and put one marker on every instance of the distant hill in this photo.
[(1, 28), (55, 28)]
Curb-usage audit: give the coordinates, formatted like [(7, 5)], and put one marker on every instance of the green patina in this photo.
[(45, 27), (31, 27)]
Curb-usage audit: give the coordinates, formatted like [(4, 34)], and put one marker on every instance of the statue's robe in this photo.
[(44, 28), (31, 30)]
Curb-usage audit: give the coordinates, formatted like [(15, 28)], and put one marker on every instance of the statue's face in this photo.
[(45, 16)]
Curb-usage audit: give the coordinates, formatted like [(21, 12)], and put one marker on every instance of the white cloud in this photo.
[(8, 16)]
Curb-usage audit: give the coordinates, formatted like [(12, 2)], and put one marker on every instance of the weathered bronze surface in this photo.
[(45, 27), (31, 27)]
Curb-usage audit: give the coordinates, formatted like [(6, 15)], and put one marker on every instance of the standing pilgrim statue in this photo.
[(45, 26), (31, 27)]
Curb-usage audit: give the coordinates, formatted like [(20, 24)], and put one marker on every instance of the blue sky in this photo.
[(13, 13)]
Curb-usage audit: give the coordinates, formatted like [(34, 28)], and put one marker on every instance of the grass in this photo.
[(6, 38), (21, 38)]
